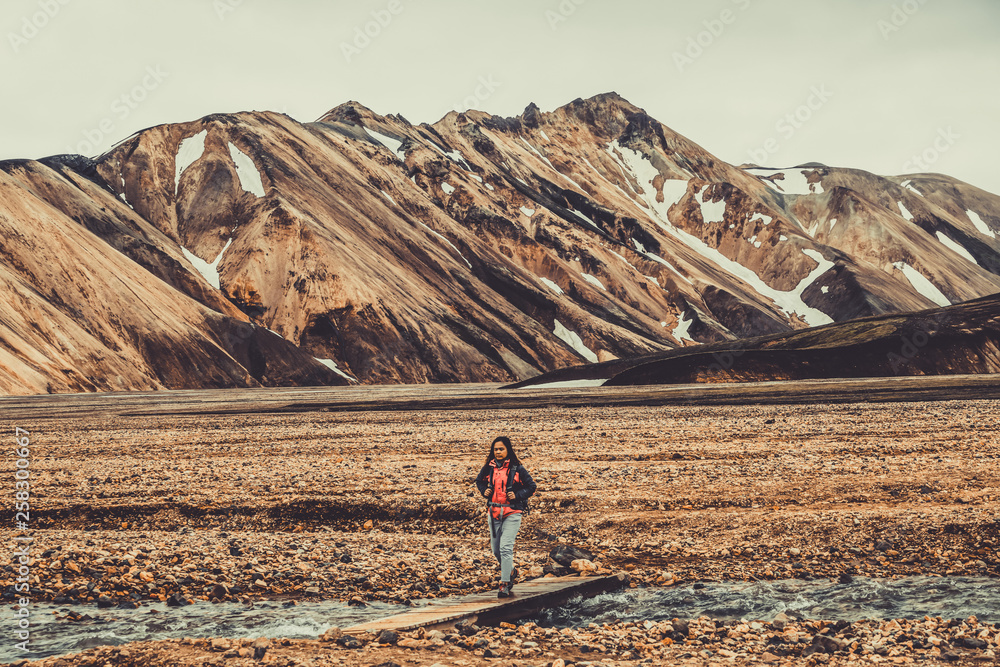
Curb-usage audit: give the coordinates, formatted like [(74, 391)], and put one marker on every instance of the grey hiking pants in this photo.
[(503, 544)]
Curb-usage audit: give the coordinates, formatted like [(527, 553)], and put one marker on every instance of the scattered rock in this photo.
[(219, 644), (388, 637), (565, 554), (349, 641), (332, 634)]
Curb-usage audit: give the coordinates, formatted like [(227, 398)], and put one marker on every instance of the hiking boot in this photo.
[(513, 577), (504, 590)]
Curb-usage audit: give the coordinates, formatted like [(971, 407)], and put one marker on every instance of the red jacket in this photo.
[(522, 486)]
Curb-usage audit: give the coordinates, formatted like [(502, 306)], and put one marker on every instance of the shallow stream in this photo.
[(863, 598), (57, 636), (913, 597)]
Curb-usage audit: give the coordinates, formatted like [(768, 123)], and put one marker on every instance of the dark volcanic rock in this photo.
[(955, 340), (565, 554)]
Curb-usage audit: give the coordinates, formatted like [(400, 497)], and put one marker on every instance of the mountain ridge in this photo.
[(481, 248)]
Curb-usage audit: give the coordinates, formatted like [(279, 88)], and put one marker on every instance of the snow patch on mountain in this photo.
[(634, 267), (597, 171), (190, 151), (247, 171), (332, 365), (711, 211), (537, 152), (390, 143), (643, 171), (445, 239), (956, 246), (458, 158), (656, 258), (447, 187), (551, 166), (904, 212), (594, 280), (452, 155), (794, 181), (573, 339), (570, 384), (210, 272), (551, 285), (680, 331), (980, 225), (125, 199), (527, 211), (922, 284), (790, 302), (587, 220), (824, 266)]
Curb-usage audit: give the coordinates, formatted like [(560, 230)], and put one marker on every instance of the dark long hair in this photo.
[(511, 456)]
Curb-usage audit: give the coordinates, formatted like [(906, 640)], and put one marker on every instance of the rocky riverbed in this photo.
[(379, 505), (697, 641)]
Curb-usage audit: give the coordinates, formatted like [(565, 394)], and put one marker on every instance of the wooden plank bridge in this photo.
[(528, 598)]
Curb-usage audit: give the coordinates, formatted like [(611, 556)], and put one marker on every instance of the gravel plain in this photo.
[(379, 505)]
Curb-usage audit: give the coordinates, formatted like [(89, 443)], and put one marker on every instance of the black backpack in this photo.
[(510, 482)]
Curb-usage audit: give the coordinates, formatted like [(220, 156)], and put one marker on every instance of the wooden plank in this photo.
[(528, 598)]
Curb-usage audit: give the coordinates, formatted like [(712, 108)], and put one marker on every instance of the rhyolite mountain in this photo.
[(251, 249)]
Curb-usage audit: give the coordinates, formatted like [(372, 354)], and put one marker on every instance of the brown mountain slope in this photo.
[(79, 315), (478, 248)]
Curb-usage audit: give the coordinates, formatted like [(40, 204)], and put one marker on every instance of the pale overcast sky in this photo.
[(871, 84)]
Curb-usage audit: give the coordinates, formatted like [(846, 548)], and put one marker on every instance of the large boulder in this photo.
[(565, 554)]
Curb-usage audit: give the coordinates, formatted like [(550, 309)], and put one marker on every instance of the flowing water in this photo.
[(913, 597), (863, 598), (57, 636)]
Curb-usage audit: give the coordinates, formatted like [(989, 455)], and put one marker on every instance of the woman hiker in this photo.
[(506, 485)]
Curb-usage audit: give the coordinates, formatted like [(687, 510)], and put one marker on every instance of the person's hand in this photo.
[(510, 495), (487, 493)]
